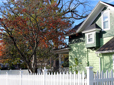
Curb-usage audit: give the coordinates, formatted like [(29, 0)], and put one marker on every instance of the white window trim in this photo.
[(108, 20), (113, 60), (93, 34)]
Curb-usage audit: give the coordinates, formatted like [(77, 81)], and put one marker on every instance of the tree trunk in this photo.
[(34, 64)]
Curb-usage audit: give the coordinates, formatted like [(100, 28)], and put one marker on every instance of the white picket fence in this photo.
[(58, 78), (103, 78)]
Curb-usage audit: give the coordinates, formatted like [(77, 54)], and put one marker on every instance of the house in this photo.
[(92, 43)]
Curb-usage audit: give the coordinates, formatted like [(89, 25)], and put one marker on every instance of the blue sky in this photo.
[(92, 4)]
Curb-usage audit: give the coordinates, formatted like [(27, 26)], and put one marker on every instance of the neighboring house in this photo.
[(93, 43)]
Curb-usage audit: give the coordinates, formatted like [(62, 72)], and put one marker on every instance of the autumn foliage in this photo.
[(32, 26), (28, 26)]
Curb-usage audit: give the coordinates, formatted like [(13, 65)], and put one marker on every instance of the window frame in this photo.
[(93, 33), (108, 12)]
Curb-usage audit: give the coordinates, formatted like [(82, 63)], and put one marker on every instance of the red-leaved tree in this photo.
[(30, 25)]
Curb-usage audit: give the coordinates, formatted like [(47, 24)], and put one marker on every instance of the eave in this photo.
[(61, 51), (94, 29), (92, 16), (109, 51)]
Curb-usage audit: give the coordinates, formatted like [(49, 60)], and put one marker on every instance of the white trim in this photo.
[(96, 30), (106, 11), (97, 9), (60, 51), (106, 4), (109, 51), (90, 15), (93, 34)]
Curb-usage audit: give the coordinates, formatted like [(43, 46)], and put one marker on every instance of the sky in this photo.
[(93, 3)]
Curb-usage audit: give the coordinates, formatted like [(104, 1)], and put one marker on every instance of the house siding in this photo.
[(106, 62), (106, 59), (91, 44), (79, 50), (95, 43), (107, 33)]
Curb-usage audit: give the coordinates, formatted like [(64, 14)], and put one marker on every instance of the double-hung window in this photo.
[(105, 20), (90, 38)]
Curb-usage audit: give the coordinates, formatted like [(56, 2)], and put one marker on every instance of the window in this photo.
[(105, 20), (90, 37)]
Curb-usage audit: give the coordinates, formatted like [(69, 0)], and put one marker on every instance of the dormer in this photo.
[(92, 39)]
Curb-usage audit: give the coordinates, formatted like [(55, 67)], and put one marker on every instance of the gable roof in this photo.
[(76, 27), (107, 48), (93, 26), (92, 16), (61, 50)]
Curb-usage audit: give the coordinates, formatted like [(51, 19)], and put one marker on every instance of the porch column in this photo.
[(60, 55)]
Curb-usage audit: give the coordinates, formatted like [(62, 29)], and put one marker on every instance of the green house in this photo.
[(92, 43)]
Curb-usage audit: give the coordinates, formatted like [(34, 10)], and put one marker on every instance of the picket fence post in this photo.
[(44, 75), (20, 77), (89, 75), (6, 78)]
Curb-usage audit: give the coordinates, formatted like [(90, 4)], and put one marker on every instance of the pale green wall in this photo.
[(106, 62), (104, 40), (78, 50), (107, 33), (106, 59), (95, 43)]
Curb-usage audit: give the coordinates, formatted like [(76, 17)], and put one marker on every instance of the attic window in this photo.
[(90, 37), (105, 20)]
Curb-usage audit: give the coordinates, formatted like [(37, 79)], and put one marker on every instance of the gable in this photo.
[(94, 15)]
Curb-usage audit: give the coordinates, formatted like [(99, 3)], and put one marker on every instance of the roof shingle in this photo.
[(108, 47)]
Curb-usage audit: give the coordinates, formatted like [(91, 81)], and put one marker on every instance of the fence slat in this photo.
[(70, 77), (67, 78), (112, 77), (20, 77), (102, 77), (99, 78), (6, 78), (74, 77), (83, 75), (107, 77)]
